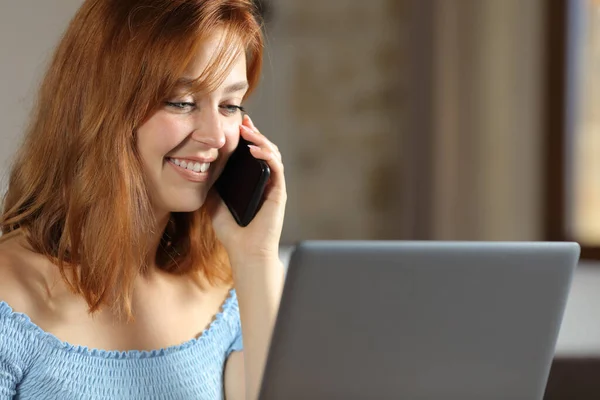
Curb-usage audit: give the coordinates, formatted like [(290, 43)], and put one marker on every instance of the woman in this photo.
[(117, 259)]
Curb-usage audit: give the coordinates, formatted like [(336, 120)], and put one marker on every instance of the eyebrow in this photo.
[(236, 87), (233, 88)]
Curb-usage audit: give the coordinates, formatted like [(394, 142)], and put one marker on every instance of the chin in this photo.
[(185, 205)]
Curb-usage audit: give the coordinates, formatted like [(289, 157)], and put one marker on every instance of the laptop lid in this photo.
[(418, 320)]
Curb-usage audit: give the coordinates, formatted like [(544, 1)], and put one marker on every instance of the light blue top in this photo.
[(37, 365)]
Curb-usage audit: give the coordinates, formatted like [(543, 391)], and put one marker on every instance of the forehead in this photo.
[(217, 56)]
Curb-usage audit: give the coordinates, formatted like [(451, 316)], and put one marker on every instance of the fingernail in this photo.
[(253, 147), (250, 120), (244, 127)]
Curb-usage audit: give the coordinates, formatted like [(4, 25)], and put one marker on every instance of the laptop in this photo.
[(418, 320)]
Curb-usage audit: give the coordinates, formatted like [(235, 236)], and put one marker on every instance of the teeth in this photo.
[(191, 166)]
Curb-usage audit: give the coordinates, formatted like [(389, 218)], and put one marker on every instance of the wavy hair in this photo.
[(76, 188)]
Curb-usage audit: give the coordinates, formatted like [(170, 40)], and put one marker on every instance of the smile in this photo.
[(191, 171), (190, 165)]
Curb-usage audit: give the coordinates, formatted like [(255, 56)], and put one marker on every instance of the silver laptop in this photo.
[(419, 320)]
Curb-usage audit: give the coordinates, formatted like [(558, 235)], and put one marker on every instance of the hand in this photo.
[(260, 239)]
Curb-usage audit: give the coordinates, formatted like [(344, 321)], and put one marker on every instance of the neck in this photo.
[(155, 237)]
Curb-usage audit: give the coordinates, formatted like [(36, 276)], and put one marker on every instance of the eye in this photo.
[(231, 109), (181, 106)]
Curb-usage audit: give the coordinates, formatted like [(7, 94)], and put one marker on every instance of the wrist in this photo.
[(264, 279), (256, 258), (253, 263)]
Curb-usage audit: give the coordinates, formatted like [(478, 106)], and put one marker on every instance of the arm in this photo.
[(259, 291), (234, 377), (258, 273)]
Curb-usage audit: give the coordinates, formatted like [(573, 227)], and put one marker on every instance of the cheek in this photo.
[(232, 138), (160, 135), (232, 135)]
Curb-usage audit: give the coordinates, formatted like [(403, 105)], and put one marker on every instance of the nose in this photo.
[(209, 129)]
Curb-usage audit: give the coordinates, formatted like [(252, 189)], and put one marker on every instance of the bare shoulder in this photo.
[(21, 278)]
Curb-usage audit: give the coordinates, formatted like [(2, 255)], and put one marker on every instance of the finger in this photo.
[(253, 135), (259, 140), (276, 189), (275, 164), (262, 153), (249, 121)]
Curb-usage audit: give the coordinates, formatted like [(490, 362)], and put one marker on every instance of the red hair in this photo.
[(77, 188)]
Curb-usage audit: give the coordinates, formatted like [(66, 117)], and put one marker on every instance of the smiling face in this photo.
[(185, 144)]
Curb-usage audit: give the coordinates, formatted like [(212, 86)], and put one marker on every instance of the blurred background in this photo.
[(435, 119), (413, 119)]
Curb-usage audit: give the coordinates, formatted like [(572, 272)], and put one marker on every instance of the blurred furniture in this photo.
[(574, 378), (575, 372)]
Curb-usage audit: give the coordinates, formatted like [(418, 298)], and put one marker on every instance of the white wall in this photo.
[(29, 30)]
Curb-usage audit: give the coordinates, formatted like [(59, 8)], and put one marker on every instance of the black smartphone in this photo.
[(242, 183)]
